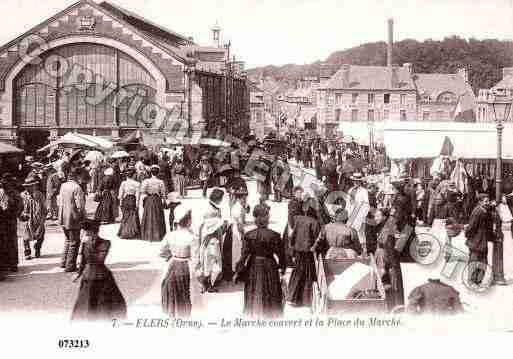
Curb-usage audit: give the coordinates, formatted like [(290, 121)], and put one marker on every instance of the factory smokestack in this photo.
[(390, 41)]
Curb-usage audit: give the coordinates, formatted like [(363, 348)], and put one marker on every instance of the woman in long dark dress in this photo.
[(106, 212), (99, 297), (306, 231), (263, 295), (129, 194), (153, 225), (179, 248)]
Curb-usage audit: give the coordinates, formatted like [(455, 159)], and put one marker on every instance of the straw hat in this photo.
[(181, 212), (357, 176), (109, 171)]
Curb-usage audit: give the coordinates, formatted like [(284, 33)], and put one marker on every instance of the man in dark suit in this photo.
[(478, 232)]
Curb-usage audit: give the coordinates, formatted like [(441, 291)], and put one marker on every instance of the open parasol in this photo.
[(94, 157), (120, 154)]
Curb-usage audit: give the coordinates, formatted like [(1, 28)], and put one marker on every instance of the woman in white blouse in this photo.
[(129, 195), (180, 249)]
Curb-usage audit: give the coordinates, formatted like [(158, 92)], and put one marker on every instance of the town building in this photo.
[(439, 95), (391, 93), (366, 93), (102, 70), (257, 106), (485, 96)]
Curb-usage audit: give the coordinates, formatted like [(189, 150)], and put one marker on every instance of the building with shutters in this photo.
[(485, 97), (102, 70)]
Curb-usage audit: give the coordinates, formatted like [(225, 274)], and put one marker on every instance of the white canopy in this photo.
[(360, 131), (405, 140), (80, 140)]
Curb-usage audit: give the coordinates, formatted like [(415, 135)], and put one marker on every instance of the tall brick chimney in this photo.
[(390, 42)]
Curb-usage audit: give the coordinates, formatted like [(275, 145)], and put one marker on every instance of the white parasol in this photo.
[(120, 154), (94, 157)]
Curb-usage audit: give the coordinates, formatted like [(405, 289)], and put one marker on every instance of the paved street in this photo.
[(41, 286)]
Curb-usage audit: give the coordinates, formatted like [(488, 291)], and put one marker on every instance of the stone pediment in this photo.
[(86, 18)]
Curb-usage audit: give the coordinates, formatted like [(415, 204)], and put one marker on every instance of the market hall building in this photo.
[(136, 66)]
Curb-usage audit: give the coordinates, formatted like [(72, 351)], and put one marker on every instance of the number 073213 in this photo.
[(73, 343)]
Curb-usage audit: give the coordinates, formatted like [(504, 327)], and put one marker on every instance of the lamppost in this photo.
[(501, 106), (190, 70)]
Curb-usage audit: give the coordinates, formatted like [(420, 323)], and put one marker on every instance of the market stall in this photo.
[(473, 143), (10, 156), (77, 140)]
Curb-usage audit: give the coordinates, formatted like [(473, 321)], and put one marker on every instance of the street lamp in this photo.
[(190, 69), (501, 106)]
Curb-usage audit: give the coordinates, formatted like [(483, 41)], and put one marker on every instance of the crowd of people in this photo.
[(201, 247)]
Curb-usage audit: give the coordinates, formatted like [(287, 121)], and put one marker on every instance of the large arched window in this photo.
[(43, 100)]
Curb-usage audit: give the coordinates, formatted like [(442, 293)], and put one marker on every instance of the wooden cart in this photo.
[(326, 271)]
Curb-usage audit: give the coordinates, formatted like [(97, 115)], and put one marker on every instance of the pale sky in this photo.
[(266, 32)]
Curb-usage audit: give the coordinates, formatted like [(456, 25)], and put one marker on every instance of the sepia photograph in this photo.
[(290, 170)]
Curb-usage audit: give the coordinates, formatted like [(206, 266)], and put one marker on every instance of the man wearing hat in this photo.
[(71, 214), (478, 233), (33, 216)]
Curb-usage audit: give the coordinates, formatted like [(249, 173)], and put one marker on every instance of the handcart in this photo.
[(371, 299)]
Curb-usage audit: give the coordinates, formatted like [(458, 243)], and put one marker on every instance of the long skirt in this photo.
[(179, 184), (99, 300), (263, 295), (176, 290), (232, 250), (153, 225), (130, 227), (301, 280), (4, 250), (289, 262), (106, 212)]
